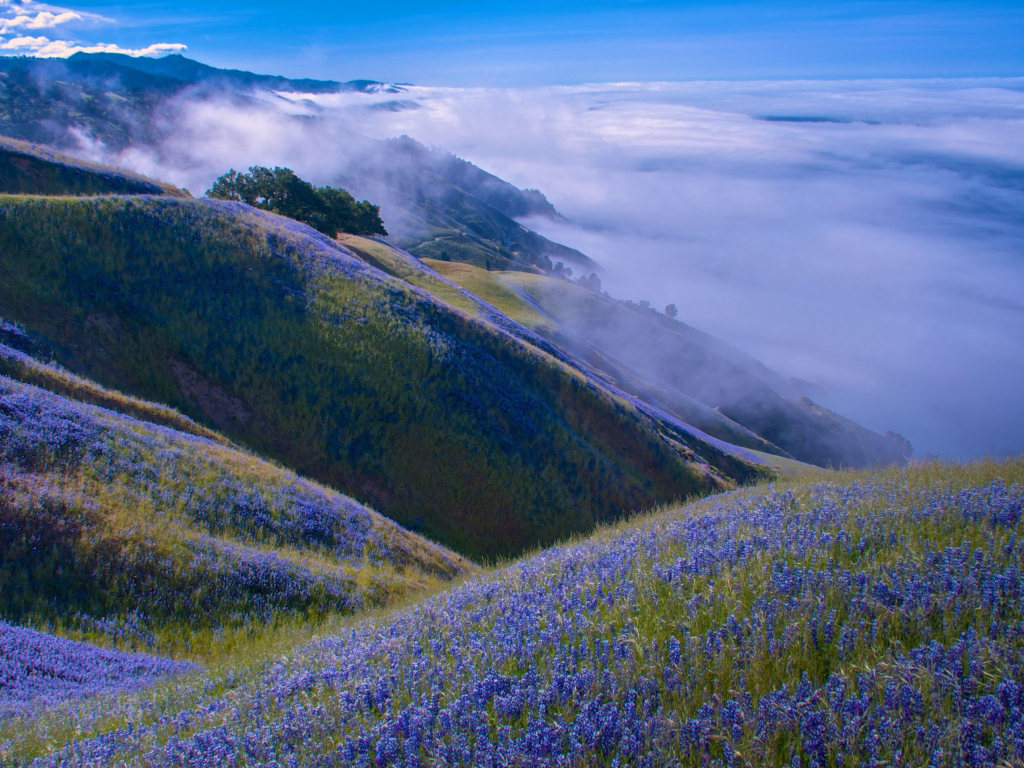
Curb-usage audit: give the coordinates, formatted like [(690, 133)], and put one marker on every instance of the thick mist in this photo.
[(867, 237)]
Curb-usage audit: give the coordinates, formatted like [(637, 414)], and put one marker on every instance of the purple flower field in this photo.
[(39, 670), (116, 529), (864, 621)]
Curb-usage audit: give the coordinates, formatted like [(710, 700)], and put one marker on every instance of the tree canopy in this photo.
[(326, 209)]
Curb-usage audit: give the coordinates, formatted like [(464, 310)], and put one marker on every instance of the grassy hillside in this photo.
[(681, 365), (501, 290), (284, 341), (116, 529), (17, 364), (840, 620), (42, 672), (31, 169)]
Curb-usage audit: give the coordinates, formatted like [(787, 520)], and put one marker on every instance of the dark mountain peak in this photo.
[(498, 193)]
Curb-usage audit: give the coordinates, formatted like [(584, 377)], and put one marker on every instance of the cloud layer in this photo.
[(864, 236), (18, 18)]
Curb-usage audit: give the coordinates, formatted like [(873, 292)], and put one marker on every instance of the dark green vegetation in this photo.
[(326, 209), (28, 169), (698, 378), (282, 340)]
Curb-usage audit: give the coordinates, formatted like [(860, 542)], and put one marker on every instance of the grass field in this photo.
[(129, 534), (839, 619)]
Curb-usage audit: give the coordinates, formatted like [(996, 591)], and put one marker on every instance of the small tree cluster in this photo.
[(326, 209), (562, 271), (591, 282)]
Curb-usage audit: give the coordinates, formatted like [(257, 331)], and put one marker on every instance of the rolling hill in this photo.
[(439, 206), (30, 169), (698, 378), (857, 619), (115, 529), (291, 345)]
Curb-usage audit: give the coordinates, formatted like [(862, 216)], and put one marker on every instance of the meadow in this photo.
[(841, 619), (287, 343), (136, 536), (170, 595)]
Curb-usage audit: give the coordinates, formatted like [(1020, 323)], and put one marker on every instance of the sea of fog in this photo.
[(867, 237)]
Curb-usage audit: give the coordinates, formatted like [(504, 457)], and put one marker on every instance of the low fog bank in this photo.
[(865, 237)]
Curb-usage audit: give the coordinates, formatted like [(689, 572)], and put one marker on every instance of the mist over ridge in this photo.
[(863, 236)]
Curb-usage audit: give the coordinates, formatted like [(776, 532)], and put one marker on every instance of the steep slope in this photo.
[(30, 169), (145, 536), (438, 206), (487, 296), (288, 343), (847, 620), (677, 365)]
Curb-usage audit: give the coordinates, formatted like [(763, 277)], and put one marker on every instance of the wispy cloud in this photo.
[(44, 47), (18, 17)]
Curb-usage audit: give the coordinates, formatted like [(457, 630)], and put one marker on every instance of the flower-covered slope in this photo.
[(139, 535), (454, 425), (868, 620), (39, 670)]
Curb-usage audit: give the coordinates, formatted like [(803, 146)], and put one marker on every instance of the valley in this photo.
[(386, 486)]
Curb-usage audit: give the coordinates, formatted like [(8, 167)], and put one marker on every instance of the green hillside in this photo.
[(30, 169), (284, 341), (441, 207), (120, 531), (691, 374), (847, 619)]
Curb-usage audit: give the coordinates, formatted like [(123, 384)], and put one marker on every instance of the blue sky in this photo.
[(456, 42)]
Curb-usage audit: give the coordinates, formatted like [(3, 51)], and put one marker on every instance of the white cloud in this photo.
[(42, 20), (24, 15), (46, 48)]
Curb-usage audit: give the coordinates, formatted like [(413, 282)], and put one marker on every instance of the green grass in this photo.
[(638, 611), (492, 288), (120, 532), (251, 325), (55, 379)]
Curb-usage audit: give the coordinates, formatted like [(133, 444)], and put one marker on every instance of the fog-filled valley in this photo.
[(862, 237)]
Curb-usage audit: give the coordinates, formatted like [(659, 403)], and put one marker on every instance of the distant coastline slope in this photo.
[(286, 342), (692, 375)]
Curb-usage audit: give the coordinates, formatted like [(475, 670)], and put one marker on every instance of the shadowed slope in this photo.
[(285, 341), (147, 536), (31, 169), (522, 307)]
